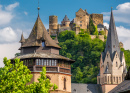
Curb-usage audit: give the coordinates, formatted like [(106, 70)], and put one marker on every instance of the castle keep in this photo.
[(112, 62), (81, 21)]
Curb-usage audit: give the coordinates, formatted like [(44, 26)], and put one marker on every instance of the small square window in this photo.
[(80, 24), (80, 21)]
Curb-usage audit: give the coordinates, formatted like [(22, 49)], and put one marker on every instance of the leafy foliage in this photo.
[(14, 79), (92, 28), (127, 56), (85, 51)]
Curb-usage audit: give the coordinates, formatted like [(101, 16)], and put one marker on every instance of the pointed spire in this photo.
[(66, 18), (38, 8), (56, 40), (22, 39), (112, 44)]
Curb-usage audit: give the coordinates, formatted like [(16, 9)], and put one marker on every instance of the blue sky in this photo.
[(17, 16)]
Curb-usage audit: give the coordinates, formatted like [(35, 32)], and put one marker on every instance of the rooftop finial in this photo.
[(111, 8), (38, 8)]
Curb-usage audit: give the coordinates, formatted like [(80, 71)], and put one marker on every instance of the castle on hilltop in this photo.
[(81, 21)]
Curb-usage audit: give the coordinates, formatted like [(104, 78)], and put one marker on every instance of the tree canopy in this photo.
[(14, 78), (85, 51)]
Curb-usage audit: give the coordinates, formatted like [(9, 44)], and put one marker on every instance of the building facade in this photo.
[(40, 50), (112, 61)]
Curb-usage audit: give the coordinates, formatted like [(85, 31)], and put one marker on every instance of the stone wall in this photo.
[(101, 37), (97, 18)]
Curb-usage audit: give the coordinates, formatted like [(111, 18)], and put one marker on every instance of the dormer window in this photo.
[(43, 44), (116, 64)]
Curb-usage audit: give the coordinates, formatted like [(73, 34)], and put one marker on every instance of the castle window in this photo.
[(120, 79), (80, 17), (108, 79), (105, 79), (44, 62), (49, 62), (43, 44), (80, 21), (36, 61), (107, 64), (116, 79), (116, 64), (39, 62), (64, 83), (53, 62), (80, 24)]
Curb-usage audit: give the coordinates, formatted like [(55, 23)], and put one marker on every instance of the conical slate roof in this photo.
[(66, 18), (106, 70), (56, 40), (39, 34), (22, 40), (112, 44)]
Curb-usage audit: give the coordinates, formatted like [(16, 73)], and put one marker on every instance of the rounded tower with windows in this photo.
[(39, 50)]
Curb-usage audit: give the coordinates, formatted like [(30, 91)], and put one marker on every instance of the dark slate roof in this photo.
[(38, 34), (106, 70), (112, 44), (85, 88), (22, 40), (100, 26), (56, 40), (66, 18), (43, 55), (124, 86)]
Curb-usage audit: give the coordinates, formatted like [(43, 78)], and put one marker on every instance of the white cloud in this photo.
[(123, 34), (11, 6), (9, 51), (6, 13), (121, 14), (7, 35), (5, 17), (26, 13)]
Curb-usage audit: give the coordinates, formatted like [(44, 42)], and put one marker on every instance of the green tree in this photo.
[(14, 79), (102, 32), (77, 75), (91, 27), (96, 30)]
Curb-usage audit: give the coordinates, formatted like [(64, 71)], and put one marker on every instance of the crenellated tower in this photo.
[(112, 61)]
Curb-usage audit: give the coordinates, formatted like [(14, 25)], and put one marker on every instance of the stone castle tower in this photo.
[(65, 22), (40, 50), (53, 24), (112, 61)]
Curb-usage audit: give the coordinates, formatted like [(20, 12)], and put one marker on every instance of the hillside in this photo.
[(86, 53)]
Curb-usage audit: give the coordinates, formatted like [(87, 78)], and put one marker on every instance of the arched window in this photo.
[(114, 79), (105, 79), (43, 44), (108, 79), (107, 64), (64, 83), (116, 64), (117, 80)]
